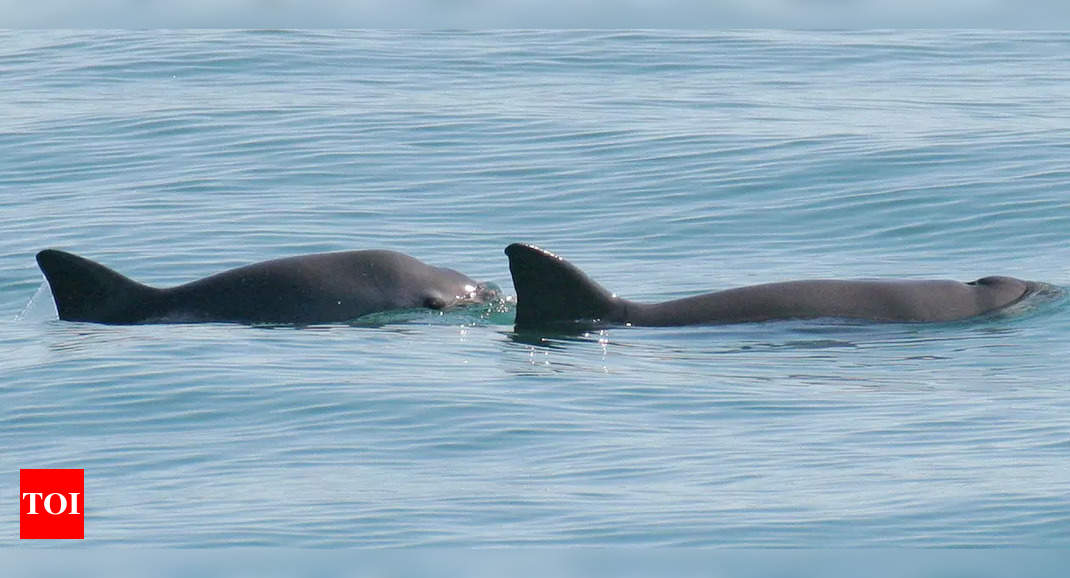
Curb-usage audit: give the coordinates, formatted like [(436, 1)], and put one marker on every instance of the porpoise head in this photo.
[(448, 288), (996, 292)]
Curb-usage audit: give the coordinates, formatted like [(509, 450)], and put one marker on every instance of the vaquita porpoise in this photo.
[(550, 290), (320, 288)]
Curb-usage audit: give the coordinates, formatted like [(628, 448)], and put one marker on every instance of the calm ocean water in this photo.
[(662, 163)]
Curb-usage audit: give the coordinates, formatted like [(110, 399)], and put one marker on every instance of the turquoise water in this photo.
[(662, 163)]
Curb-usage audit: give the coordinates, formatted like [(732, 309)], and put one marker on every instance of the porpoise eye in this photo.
[(434, 302), (984, 281)]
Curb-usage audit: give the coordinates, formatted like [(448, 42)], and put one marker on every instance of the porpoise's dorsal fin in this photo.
[(550, 290), (88, 291)]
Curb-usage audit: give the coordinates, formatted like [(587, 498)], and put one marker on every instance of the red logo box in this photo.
[(52, 504)]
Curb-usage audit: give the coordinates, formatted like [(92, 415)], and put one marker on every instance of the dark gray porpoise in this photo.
[(321, 288), (550, 290)]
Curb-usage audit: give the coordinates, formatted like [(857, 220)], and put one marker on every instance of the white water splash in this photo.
[(41, 307)]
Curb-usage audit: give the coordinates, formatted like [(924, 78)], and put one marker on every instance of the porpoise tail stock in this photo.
[(551, 292), (319, 288)]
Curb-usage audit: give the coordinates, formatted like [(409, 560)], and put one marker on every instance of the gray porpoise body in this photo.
[(550, 290), (320, 288)]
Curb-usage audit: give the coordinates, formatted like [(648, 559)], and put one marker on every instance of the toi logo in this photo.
[(52, 504)]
